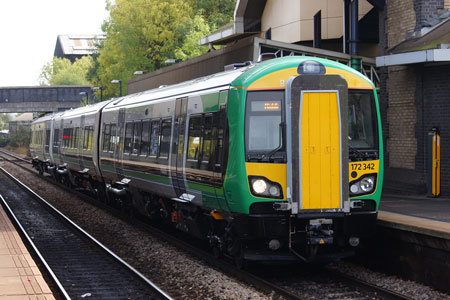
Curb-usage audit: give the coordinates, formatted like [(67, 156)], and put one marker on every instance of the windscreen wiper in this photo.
[(267, 156)]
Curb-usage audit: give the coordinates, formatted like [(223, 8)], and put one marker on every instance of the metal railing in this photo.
[(279, 49)]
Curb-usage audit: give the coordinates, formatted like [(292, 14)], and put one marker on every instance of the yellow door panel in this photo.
[(320, 155)]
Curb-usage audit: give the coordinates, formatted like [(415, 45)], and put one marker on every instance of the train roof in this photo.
[(83, 110), (222, 79), (287, 67), (244, 77)]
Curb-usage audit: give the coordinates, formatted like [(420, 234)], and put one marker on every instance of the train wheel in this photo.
[(41, 169), (239, 260)]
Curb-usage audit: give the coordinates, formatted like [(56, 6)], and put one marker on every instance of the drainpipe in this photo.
[(354, 35)]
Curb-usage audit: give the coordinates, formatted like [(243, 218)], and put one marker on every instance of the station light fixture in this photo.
[(115, 81)]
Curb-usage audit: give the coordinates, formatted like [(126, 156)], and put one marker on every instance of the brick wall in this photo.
[(400, 111), (401, 117), (436, 113), (426, 9), (413, 99), (400, 20)]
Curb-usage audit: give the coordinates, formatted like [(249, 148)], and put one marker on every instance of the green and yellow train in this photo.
[(277, 160)]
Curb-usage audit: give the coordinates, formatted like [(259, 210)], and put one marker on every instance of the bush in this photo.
[(3, 141)]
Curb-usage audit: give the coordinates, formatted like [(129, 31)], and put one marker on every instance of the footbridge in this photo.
[(42, 98)]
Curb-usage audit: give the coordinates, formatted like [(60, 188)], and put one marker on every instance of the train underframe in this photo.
[(277, 236), (264, 235)]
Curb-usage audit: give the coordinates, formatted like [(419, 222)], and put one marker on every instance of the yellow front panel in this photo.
[(320, 151), (273, 172)]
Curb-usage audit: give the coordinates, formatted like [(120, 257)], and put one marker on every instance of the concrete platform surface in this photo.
[(430, 216), (20, 278)]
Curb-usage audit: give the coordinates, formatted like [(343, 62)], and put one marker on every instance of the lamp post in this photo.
[(101, 91), (119, 82), (87, 96), (139, 72)]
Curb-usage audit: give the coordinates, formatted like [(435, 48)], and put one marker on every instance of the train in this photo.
[(280, 160)]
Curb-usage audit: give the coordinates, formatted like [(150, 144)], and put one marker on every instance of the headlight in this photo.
[(363, 186), (259, 186), (262, 187), (366, 184)]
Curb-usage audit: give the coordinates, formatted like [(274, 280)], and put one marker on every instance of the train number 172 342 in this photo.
[(362, 166)]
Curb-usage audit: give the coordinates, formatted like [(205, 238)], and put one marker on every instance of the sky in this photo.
[(28, 32)]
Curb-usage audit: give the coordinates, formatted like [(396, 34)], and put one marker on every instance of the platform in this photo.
[(20, 278), (429, 216)]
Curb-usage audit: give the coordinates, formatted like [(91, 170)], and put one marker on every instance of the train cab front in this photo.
[(314, 151)]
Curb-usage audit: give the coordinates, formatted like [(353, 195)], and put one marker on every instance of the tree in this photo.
[(60, 71), (20, 139), (190, 48), (4, 120), (216, 13), (143, 34)]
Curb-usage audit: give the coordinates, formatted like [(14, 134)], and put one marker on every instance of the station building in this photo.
[(75, 46), (401, 45)]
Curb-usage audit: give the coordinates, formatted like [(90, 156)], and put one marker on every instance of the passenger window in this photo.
[(195, 137), (106, 137), (91, 137), (113, 138), (154, 139), (218, 132), (47, 137), (145, 141), (56, 137), (128, 137), (166, 126), (137, 137), (76, 138), (86, 138), (207, 139), (71, 139)]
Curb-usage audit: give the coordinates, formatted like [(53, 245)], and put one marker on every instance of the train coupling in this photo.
[(319, 232)]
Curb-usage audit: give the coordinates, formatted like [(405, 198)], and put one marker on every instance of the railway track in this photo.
[(79, 265), (293, 282)]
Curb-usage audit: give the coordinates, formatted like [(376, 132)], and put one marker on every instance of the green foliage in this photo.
[(60, 71), (20, 139), (3, 141), (190, 48), (216, 13), (4, 119), (141, 35)]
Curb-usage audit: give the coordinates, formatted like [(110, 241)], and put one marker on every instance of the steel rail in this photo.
[(226, 266), (35, 249), (53, 209)]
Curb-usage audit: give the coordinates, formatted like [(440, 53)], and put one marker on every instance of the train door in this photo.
[(80, 142), (118, 143), (177, 156), (221, 144), (56, 142), (62, 139), (317, 143)]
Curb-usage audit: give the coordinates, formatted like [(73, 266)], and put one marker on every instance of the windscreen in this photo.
[(263, 118), (362, 118)]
